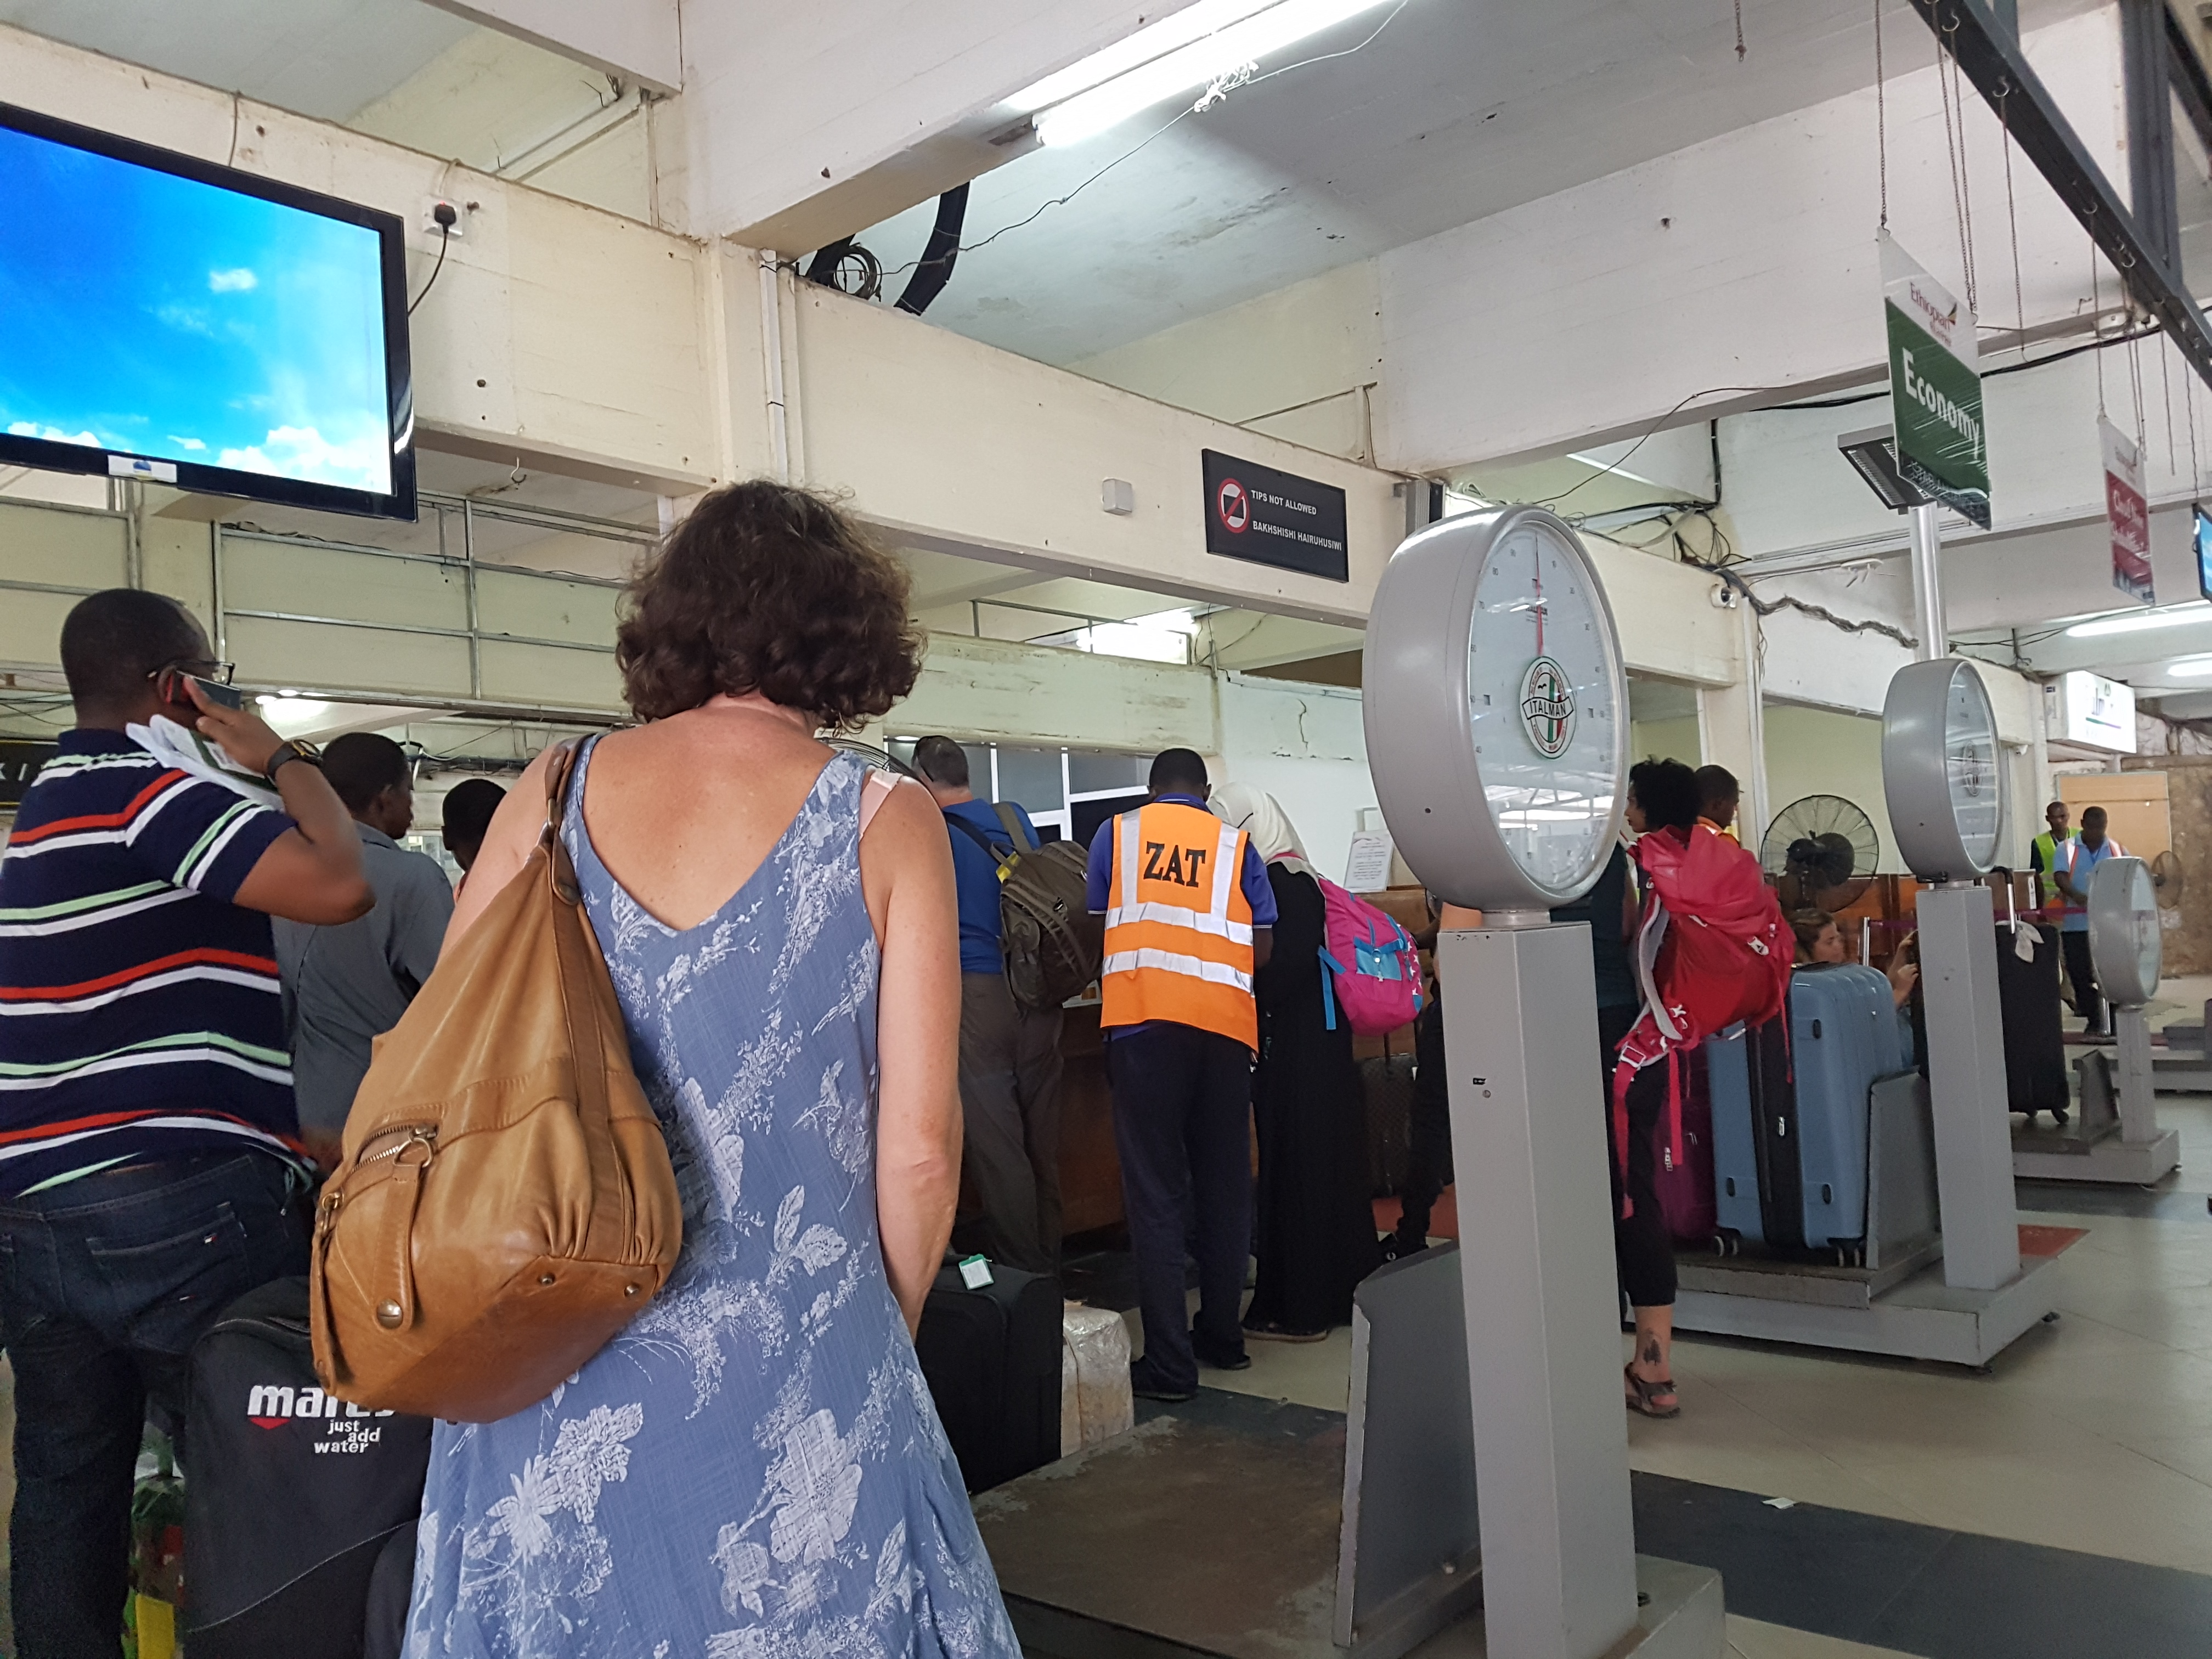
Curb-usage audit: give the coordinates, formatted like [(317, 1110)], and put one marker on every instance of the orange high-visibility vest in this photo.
[(1178, 926)]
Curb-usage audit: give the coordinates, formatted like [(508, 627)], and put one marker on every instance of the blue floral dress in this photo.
[(753, 1469)]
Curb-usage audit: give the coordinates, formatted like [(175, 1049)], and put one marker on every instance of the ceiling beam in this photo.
[(637, 40), (1999, 71)]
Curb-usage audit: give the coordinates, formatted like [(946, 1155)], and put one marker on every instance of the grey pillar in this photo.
[(1543, 1325), (1966, 1082), (2133, 1076), (1928, 584)]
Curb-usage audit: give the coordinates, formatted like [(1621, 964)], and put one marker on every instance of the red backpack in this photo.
[(1711, 952)]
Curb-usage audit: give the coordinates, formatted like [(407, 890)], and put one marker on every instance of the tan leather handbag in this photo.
[(505, 1204)]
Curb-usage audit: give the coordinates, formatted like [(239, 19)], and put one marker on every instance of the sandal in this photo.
[(1272, 1332), (1643, 1396)]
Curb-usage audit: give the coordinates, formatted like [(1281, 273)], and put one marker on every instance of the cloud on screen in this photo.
[(165, 317), (52, 435), (291, 452)]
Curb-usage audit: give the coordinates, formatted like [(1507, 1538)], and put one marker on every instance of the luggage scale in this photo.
[(1495, 711), (2115, 1135), (1941, 774)]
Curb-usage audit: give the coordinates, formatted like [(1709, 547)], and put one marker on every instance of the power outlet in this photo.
[(429, 217)]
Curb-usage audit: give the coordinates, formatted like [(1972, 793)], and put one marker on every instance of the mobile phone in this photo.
[(228, 695)]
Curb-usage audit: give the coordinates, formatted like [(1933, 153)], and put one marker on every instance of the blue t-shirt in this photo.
[(1257, 894), (2080, 862), (975, 877)]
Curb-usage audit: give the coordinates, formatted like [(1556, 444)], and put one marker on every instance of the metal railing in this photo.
[(458, 519)]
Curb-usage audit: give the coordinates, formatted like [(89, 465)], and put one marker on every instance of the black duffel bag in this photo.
[(290, 1496)]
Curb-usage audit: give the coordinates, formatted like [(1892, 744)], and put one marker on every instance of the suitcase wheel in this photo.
[(1727, 1242)]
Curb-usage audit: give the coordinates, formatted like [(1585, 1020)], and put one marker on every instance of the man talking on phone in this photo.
[(149, 1163)]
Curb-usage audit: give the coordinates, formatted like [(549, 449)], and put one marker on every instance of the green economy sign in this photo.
[(1935, 388)]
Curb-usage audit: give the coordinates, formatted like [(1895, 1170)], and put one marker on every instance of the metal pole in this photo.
[(214, 577), (469, 567), (1928, 584)]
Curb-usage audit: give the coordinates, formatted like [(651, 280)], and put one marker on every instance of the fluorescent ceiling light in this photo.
[(2191, 668), (1193, 22), (2134, 622), (1252, 34)]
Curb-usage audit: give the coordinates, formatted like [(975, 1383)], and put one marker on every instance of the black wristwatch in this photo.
[(292, 749)]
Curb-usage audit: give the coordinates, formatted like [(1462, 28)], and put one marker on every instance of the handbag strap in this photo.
[(585, 988)]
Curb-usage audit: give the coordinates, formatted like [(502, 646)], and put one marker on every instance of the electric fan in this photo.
[(1821, 852)]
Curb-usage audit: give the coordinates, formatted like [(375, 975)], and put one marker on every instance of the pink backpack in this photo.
[(1373, 972)]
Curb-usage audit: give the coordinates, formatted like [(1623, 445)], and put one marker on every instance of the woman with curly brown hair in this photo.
[(754, 1467)]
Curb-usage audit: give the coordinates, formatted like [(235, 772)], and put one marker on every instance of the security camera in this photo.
[(1724, 597)]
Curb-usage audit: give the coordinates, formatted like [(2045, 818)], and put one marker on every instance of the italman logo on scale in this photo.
[(1547, 708)]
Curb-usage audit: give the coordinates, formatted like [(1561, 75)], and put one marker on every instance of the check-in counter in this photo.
[(1090, 1168)]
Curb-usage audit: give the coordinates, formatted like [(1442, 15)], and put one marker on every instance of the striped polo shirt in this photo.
[(139, 1009)]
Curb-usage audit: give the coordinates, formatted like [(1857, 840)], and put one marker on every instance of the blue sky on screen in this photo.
[(162, 317)]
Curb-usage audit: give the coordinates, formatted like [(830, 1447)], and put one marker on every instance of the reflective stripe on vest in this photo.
[(1178, 925)]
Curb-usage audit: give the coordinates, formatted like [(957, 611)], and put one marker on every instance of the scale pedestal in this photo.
[(2115, 1135), (1980, 1298), (1537, 1279)]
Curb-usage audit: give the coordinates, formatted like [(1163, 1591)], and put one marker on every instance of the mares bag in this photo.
[(505, 1203)]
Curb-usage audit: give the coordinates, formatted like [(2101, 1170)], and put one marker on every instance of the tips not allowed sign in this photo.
[(1935, 388), (2127, 512), (1256, 512)]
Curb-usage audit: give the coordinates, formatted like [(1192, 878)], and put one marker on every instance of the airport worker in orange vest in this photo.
[(1188, 916)]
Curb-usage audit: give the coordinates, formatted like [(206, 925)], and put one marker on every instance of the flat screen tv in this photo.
[(167, 319)]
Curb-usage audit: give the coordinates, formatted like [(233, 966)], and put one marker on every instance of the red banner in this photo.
[(2127, 512)]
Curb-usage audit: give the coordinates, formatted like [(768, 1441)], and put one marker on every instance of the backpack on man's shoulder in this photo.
[(1054, 945)]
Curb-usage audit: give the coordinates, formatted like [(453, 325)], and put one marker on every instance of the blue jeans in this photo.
[(105, 1284)]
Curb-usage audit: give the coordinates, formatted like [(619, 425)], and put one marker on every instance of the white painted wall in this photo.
[(957, 446), (1304, 745), (1746, 262), (1300, 363), (1818, 751)]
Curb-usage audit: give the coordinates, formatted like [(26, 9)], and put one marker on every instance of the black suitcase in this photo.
[(991, 1358), (2035, 1049), (1386, 1090), (290, 1496), (1774, 1134)]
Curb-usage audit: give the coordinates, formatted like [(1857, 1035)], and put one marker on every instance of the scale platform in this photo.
[(1212, 1529), (2080, 1151), (1922, 1318), (2181, 1066), (2093, 1146)]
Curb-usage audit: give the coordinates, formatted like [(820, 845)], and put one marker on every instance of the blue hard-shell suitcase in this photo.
[(1789, 1127)]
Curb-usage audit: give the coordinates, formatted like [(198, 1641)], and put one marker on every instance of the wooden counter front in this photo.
[(1089, 1167)]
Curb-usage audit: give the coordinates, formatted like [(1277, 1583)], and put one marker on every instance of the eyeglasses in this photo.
[(199, 668)]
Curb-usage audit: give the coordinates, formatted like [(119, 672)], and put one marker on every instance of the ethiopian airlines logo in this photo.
[(1547, 708)]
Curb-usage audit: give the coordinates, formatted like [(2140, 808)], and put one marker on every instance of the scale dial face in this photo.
[(1971, 764), (1496, 710), (1943, 770), (2125, 947), (1540, 679)]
